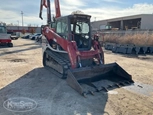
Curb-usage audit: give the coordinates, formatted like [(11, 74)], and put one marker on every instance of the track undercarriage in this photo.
[(53, 60)]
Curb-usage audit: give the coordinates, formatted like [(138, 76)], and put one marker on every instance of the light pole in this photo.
[(22, 18), (18, 22)]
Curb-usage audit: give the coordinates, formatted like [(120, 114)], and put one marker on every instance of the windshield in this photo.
[(2, 29), (80, 27)]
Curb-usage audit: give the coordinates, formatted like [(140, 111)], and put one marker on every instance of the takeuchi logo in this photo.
[(19, 104)]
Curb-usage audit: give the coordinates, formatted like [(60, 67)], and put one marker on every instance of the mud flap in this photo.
[(88, 80)]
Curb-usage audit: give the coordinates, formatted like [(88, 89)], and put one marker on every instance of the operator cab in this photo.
[(80, 29), (75, 27), (3, 28)]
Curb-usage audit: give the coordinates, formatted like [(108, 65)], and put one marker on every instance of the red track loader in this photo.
[(70, 50), (5, 38)]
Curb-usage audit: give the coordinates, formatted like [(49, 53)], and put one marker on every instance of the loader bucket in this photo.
[(88, 80)]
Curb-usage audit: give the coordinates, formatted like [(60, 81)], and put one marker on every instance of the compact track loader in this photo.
[(70, 50)]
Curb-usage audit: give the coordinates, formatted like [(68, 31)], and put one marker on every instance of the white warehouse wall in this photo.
[(96, 25), (147, 21)]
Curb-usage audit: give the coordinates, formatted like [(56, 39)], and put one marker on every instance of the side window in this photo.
[(58, 27), (2, 30), (64, 26)]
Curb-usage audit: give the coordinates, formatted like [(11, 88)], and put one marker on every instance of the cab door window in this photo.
[(58, 28), (62, 28)]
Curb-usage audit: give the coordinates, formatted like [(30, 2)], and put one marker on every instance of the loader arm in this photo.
[(57, 9), (42, 3), (46, 4)]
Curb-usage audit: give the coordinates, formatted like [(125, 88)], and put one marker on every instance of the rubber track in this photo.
[(64, 63)]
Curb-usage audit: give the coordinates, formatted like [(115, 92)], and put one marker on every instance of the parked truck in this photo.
[(5, 39)]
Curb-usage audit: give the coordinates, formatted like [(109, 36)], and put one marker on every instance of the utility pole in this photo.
[(18, 22), (22, 18)]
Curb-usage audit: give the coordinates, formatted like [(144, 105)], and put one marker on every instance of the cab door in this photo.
[(62, 28)]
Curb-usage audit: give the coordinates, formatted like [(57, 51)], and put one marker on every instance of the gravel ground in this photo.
[(23, 79)]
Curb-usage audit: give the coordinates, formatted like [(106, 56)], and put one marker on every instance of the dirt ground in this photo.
[(22, 75)]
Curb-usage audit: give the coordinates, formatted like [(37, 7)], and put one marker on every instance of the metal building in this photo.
[(142, 22)]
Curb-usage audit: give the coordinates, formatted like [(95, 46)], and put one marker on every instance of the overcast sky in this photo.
[(10, 10)]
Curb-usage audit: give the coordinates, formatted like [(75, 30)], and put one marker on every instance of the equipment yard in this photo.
[(23, 75)]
